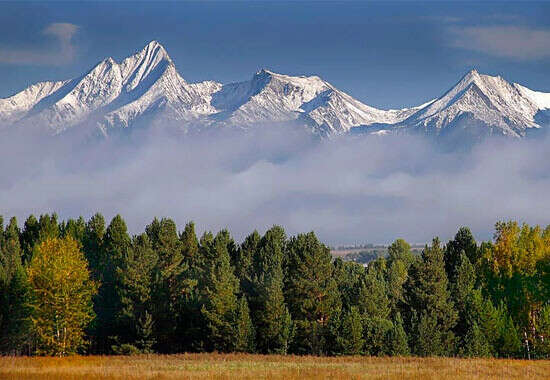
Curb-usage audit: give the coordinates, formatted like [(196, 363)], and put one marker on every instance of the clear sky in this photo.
[(386, 54)]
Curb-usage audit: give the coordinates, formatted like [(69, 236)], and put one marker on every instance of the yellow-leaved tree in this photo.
[(63, 291), (518, 274)]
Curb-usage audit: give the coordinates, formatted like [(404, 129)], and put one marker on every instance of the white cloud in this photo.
[(519, 43), (62, 51)]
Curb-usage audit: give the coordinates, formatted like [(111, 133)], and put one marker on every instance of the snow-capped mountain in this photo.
[(147, 88), (482, 104), (112, 95), (147, 85)]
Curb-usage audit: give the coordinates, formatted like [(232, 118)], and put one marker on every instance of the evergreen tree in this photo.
[(475, 343), (461, 288), (116, 247), (136, 276), (397, 339), (74, 228), (92, 244), (144, 333), (463, 242), (311, 292), (350, 277), (15, 311), (350, 339), (29, 237), (430, 311), (270, 314), (172, 282), (244, 334), (244, 269), (220, 296)]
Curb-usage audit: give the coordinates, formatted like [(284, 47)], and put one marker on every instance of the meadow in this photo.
[(246, 366)]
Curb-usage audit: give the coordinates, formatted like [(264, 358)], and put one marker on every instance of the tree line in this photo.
[(86, 287)]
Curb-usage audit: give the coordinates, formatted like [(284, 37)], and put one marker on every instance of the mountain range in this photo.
[(146, 89)]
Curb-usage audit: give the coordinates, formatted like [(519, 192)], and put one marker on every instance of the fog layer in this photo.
[(348, 189)]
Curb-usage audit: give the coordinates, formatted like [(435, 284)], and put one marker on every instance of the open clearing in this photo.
[(243, 366)]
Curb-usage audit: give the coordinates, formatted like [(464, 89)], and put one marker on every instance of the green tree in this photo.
[(270, 314), (463, 242), (397, 339), (220, 296), (350, 339), (116, 247), (136, 277), (63, 291), (311, 292), (15, 310), (244, 334), (431, 312)]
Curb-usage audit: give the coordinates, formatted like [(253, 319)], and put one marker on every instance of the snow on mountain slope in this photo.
[(14, 107), (272, 97), (146, 88), (112, 94), (486, 103)]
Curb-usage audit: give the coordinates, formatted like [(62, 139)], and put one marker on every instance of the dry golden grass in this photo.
[(241, 366)]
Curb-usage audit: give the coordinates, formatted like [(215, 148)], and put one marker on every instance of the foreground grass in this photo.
[(242, 366)]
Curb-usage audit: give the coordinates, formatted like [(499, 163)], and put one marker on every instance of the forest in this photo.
[(88, 287)]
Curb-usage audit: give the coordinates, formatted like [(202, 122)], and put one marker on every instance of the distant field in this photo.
[(243, 366)]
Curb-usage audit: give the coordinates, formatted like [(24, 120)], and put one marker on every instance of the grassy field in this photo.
[(240, 366)]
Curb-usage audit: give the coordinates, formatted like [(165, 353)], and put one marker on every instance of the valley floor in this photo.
[(244, 366)]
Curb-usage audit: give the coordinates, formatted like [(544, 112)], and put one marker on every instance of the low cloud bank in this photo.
[(349, 189)]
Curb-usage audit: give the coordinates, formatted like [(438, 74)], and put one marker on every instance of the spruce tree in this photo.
[(92, 244), (350, 340), (429, 304), (116, 247), (220, 296), (475, 343), (270, 314), (172, 282), (311, 292), (244, 334), (29, 237), (397, 344), (15, 311), (136, 277), (463, 242)]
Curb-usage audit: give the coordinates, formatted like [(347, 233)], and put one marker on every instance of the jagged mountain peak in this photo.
[(484, 103)]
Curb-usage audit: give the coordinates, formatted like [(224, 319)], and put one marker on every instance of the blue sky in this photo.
[(386, 54)]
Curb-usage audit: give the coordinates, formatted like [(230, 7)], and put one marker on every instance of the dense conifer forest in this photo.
[(90, 287)]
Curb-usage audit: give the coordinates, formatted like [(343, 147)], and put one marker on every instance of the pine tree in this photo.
[(350, 339), (116, 247), (15, 311), (244, 269), (136, 276), (427, 297), (311, 292), (350, 277), (270, 314), (220, 296), (461, 291), (74, 228), (475, 343), (397, 339), (92, 244), (145, 337), (172, 282), (244, 334), (463, 242), (373, 297), (29, 237)]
